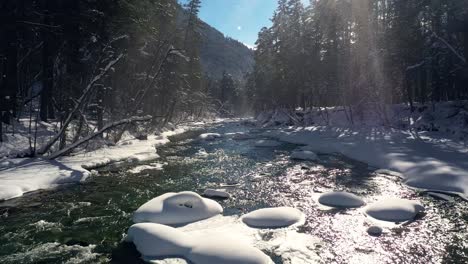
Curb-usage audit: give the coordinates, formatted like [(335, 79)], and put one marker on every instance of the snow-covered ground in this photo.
[(22, 175), (427, 146)]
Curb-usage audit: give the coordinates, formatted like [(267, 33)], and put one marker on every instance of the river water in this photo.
[(85, 223)]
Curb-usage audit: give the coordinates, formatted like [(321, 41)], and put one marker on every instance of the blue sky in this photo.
[(238, 19)]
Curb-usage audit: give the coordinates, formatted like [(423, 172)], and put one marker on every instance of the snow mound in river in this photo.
[(209, 136), (394, 210), (156, 241), (303, 155), (9, 192), (340, 199), (177, 209), (273, 217), (267, 143)]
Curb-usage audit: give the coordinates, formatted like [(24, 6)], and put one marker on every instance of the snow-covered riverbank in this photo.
[(428, 160), (22, 175)]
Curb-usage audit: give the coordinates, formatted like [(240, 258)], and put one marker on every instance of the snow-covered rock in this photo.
[(340, 199), (216, 193), (304, 155), (374, 230), (394, 210), (217, 249), (177, 209), (267, 143), (210, 136), (9, 192), (158, 241), (273, 217)]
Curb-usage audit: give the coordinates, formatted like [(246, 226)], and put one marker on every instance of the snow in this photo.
[(141, 168), (28, 175), (273, 217), (230, 238), (340, 199), (304, 155), (426, 163), (155, 240), (394, 209), (216, 193), (177, 209), (267, 143), (424, 147), (223, 250), (209, 136)]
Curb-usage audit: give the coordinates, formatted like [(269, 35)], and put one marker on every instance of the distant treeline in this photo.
[(350, 53)]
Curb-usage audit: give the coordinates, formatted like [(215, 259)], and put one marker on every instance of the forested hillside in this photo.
[(88, 65), (355, 53), (222, 54)]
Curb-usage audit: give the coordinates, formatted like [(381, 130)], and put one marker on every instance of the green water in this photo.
[(85, 223)]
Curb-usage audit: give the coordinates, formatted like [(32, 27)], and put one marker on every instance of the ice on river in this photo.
[(177, 209), (273, 217), (340, 199), (394, 210), (224, 240)]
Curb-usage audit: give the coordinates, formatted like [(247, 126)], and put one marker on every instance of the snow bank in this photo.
[(34, 174), (177, 209), (218, 193), (273, 217), (340, 199), (426, 163), (394, 210), (267, 143), (304, 155), (209, 136), (156, 241)]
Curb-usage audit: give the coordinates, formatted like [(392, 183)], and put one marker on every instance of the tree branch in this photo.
[(104, 129)]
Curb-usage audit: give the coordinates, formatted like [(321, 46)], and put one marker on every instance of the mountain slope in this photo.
[(219, 53)]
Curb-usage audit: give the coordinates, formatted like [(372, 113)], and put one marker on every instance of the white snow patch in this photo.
[(394, 210), (33, 174), (267, 143), (217, 193), (340, 199), (141, 168), (232, 237), (304, 155), (156, 241), (273, 217), (425, 163), (210, 136), (177, 209)]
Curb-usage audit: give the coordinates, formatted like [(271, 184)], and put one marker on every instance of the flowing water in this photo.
[(85, 223)]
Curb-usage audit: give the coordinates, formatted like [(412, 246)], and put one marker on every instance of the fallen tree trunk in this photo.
[(101, 131)]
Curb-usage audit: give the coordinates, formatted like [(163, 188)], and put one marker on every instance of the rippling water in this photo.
[(85, 223)]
